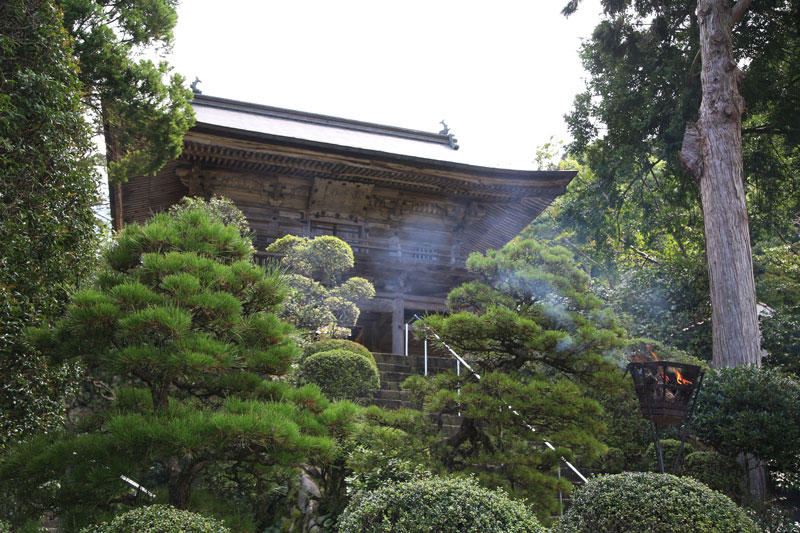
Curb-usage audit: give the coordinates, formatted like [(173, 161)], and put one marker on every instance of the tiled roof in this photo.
[(286, 124)]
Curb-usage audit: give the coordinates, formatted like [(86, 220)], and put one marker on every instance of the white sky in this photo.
[(502, 74)]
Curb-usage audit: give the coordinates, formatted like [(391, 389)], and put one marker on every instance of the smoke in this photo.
[(565, 344), (557, 314)]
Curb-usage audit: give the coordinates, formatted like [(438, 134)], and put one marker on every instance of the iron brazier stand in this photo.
[(667, 393)]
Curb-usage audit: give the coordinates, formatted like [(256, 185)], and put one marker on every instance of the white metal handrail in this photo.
[(460, 361)]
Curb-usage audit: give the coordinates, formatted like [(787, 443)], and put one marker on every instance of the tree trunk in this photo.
[(755, 473), (180, 477), (712, 153)]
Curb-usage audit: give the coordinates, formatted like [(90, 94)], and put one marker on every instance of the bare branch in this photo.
[(765, 129), (738, 11), (646, 256), (694, 62)]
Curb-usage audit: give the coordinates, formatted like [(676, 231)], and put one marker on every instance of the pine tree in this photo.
[(181, 333), (320, 302), (545, 348)]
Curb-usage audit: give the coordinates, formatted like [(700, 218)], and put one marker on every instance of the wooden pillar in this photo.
[(398, 333)]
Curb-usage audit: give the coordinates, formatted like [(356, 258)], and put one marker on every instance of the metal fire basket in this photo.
[(667, 392)]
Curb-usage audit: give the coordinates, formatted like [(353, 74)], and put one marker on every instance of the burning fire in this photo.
[(679, 379)]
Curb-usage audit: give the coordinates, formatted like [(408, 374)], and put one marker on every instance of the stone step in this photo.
[(390, 385), (394, 367), (416, 367), (390, 358), (389, 394), (395, 376), (438, 362), (415, 361), (432, 370), (388, 404)]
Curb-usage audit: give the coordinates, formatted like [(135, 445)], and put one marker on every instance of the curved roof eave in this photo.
[(324, 134)]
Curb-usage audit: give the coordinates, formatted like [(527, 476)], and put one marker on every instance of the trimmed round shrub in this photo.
[(657, 503), (443, 505), (159, 519), (753, 411), (340, 374), (326, 345)]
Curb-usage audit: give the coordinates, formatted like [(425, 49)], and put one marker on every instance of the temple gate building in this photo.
[(407, 201)]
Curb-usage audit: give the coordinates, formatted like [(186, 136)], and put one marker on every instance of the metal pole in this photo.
[(406, 339), (657, 442), (685, 425), (426, 355), (458, 373), (649, 391)]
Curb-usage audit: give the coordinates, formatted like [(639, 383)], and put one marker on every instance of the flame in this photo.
[(650, 349), (681, 380)]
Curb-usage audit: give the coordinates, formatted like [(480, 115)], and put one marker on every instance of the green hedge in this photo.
[(718, 471), (658, 503), (751, 410), (159, 519), (326, 345), (441, 505), (340, 374)]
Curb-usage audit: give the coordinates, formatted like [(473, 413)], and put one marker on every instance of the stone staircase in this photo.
[(394, 369)]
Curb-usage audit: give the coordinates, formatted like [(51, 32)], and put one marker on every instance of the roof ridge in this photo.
[(322, 120)]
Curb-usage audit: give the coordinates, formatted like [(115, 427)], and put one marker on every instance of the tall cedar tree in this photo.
[(648, 79), (181, 326), (48, 231), (543, 345), (712, 154)]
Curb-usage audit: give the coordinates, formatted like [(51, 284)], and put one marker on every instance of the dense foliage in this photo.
[(753, 411), (181, 335), (646, 255), (381, 463), (635, 210), (719, 472), (658, 503), (218, 208), (542, 344), (645, 86), (321, 303), (159, 519), (48, 231), (437, 504), (340, 374), (141, 107), (778, 284)]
